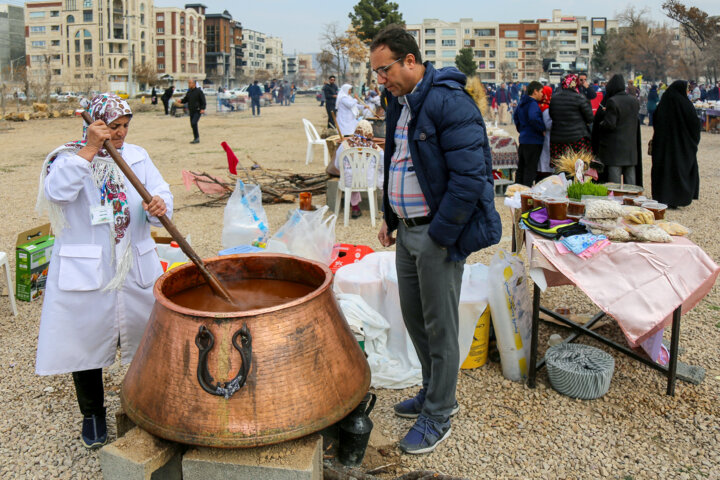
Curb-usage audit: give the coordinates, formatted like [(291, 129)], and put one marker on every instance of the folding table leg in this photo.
[(674, 344), (532, 364)]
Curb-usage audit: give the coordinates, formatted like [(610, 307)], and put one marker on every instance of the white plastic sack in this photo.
[(511, 311), (473, 302), (388, 369), (245, 220), (307, 235)]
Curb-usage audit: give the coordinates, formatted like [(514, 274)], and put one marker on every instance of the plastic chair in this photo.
[(314, 139), (360, 160), (11, 290)]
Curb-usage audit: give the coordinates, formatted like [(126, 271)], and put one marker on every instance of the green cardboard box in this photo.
[(32, 258)]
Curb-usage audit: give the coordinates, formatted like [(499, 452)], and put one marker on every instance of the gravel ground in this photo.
[(504, 429)]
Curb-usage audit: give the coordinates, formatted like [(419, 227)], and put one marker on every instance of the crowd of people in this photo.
[(604, 120)]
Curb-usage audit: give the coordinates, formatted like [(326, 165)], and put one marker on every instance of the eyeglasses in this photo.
[(382, 71)]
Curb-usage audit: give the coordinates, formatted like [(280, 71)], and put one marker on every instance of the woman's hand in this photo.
[(97, 133), (156, 207)]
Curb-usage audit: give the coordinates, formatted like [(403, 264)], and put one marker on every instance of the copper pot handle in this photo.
[(205, 341)]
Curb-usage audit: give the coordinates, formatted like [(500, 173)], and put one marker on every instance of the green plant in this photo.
[(576, 190)]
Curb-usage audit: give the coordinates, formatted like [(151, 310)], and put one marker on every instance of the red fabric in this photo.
[(348, 254), (547, 95), (231, 158), (595, 102)]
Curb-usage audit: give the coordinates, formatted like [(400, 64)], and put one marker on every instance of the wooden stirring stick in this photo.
[(211, 279)]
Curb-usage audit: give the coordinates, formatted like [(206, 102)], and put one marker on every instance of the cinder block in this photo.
[(364, 205), (141, 456), (299, 459), (123, 424)]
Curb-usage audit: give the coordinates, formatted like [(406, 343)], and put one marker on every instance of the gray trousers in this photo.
[(614, 174), (429, 298)]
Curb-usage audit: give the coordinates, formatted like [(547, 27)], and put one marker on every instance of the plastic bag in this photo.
[(553, 186), (308, 235), (245, 220), (511, 310)]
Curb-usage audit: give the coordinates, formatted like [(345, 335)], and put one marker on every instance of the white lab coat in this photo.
[(81, 325)]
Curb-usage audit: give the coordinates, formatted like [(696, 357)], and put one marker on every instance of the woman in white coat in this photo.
[(98, 295), (347, 110)]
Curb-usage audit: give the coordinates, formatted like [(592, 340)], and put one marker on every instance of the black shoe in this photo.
[(94, 431), (196, 140), (356, 213)]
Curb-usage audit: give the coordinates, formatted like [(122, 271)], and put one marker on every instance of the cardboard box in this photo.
[(32, 258)]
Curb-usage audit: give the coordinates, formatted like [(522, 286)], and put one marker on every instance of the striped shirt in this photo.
[(406, 198)]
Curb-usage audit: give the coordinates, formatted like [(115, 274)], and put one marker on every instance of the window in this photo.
[(88, 75), (182, 20), (87, 4), (491, 53), (88, 59), (515, 76), (567, 42), (448, 64), (54, 13), (448, 43), (429, 31), (531, 44), (77, 61), (511, 44), (429, 41), (70, 19), (511, 33), (56, 57), (543, 33), (531, 33), (37, 15), (480, 53), (160, 17), (584, 34), (37, 59), (54, 28), (87, 16), (37, 43), (467, 31), (87, 45), (160, 54), (584, 51), (468, 43), (142, 19), (449, 53), (37, 30), (161, 66), (481, 64), (160, 30), (491, 64), (429, 53), (511, 54), (55, 43), (160, 42), (512, 64), (449, 31), (56, 71), (70, 5), (484, 32)]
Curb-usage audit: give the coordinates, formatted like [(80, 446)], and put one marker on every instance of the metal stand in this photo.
[(669, 371)]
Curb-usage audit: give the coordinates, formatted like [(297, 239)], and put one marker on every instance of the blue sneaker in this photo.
[(412, 407), (94, 431), (424, 436)]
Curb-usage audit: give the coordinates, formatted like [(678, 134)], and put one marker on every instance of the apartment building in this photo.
[(290, 66), (512, 51), (274, 55), (306, 73), (180, 44), (12, 40), (88, 44), (223, 57), (261, 52)]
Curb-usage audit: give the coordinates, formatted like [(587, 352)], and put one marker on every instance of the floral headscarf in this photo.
[(362, 137), (106, 176), (570, 82)]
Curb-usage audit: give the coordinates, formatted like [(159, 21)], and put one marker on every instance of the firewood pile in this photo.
[(40, 110)]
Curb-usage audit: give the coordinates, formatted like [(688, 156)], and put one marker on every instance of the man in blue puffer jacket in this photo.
[(439, 196), (529, 122)]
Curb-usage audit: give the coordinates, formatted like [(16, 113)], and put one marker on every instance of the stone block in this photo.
[(141, 456), (299, 459), (364, 205), (123, 424)]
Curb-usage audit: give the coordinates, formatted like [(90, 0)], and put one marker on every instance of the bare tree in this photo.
[(327, 63), (506, 70), (702, 29), (335, 41)]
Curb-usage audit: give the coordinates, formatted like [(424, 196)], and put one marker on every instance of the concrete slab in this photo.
[(141, 456), (299, 459)]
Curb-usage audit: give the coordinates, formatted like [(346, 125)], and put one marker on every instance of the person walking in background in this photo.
[(571, 115), (643, 101), (254, 92), (166, 97), (585, 88), (439, 196), (195, 100), (529, 122), (676, 136), (616, 134), (330, 92), (502, 99), (652, 102), (544, 168), (153, 96)]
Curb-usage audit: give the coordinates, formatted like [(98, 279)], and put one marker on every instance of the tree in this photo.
[(357, 52), (371, 16), (326, 59), (702, 29), (335, 43), (506, 70), (465, 62), (146, 74)]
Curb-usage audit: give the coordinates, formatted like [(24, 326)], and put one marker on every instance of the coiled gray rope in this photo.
[(579, 371)]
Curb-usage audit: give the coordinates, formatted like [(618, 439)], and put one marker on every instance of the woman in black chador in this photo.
[(675, 177)]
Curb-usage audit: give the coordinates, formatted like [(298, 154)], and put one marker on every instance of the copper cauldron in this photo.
[(247, 378)]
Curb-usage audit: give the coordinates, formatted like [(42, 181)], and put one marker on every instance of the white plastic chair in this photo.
[(11, 291), (360, 160), (314, 139)]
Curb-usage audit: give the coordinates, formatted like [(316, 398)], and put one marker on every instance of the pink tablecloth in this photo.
[(504, 151), (638, 284)]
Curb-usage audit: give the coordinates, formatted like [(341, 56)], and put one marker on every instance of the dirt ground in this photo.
[(504, 429)]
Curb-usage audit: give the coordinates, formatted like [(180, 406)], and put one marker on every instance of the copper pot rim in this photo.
[(165, 301)]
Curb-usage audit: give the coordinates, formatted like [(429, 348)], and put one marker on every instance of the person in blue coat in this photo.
[(531, 126), (439, 198), (255, 92)]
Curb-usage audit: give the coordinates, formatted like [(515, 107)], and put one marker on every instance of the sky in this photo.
[(300, 23)]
